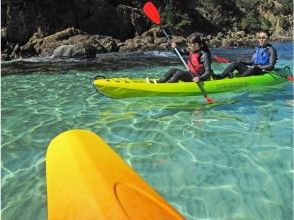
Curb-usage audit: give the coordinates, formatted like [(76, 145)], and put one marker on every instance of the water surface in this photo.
[(229, 160)]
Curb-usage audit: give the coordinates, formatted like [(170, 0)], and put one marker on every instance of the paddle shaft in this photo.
[(185, 64)]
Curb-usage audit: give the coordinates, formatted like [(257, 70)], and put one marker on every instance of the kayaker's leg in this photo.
[(186, 76), (179, 75), (168, 75), (236, 65), (252, 71)]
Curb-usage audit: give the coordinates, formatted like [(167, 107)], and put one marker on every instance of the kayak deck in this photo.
[(125, 87), (86, 179)]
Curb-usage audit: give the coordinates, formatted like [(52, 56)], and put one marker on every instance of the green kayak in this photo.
[(125, 87)]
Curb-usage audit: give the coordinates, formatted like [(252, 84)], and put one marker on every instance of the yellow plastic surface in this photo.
[(86, 179), (124, 87)]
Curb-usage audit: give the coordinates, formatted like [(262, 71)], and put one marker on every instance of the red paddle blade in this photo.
[(221, 59), (152, 13), (209, 100), (291, 78)]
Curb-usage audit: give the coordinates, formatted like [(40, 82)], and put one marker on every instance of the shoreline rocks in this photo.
[(73, 42), (37, 28)]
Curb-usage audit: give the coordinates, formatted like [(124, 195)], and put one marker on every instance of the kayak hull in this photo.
[(125, 87)]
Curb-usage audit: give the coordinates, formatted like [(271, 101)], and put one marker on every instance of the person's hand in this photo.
[(173, 45), (196, 79)]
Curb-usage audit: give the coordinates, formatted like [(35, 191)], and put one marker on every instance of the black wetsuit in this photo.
[(174, 75), (249, 68)]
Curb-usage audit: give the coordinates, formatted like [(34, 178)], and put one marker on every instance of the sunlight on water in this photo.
[(229, 160)]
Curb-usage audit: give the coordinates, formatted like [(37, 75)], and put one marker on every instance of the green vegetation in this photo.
[(174, 18), (287, 6), (251, 22)]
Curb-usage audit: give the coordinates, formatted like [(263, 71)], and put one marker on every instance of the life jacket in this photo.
[(194, 63), (261, 56)]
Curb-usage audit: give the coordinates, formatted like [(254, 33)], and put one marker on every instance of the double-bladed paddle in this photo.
[(152, 13)]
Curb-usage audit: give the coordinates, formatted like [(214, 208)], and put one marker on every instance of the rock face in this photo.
[(44, 46), (22, 18), (38, 27), (75, 51)]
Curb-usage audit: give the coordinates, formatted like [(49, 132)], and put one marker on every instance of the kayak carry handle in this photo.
[(98, 76)]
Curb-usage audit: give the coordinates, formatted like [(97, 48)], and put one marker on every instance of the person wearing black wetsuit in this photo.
[(263, 60), (199, 63)]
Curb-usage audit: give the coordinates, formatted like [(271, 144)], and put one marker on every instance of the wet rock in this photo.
[(109, 44), (45, 45), (75, 51)]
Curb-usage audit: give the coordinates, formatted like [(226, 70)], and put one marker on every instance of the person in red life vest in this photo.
[(263, 60), (199, 63)]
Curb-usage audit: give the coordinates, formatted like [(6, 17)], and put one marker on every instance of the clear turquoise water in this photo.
[(229, 160)]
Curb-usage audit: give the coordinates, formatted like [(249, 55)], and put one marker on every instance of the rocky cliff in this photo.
[(25, 24)]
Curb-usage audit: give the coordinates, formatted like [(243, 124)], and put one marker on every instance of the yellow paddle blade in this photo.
[(86, 179)]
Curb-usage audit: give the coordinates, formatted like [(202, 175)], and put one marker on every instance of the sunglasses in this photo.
[(262, 37)]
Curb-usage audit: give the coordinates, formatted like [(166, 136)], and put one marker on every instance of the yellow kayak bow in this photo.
[(86, 179)]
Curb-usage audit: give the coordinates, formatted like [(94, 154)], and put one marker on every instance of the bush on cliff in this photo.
[(174, 18)]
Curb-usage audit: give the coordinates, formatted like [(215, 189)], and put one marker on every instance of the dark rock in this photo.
[(32, 47), (23, 18), (131, 22), (109, 44), (3, 37), (40, 45), (5, 56)]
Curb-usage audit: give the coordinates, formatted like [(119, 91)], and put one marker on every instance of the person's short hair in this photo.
[(264, 31)]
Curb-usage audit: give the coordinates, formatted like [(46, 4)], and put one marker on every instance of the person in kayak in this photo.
[(263, 60), (199, 63)]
